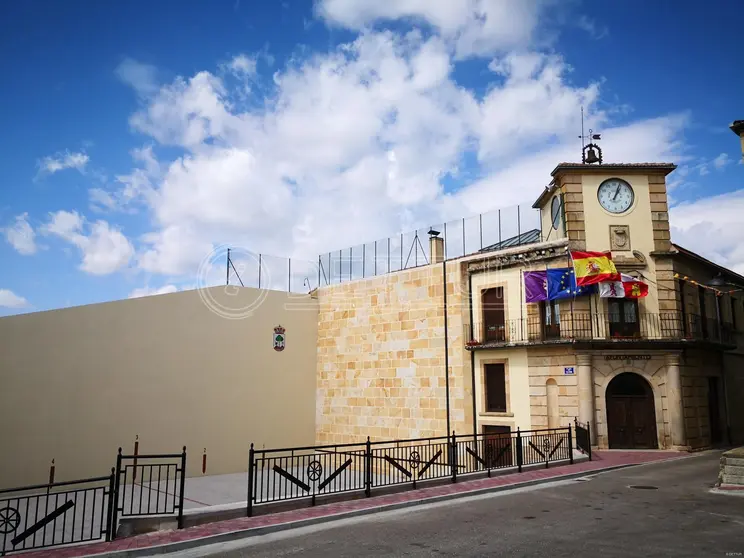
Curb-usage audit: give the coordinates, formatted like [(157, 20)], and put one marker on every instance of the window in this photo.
[(683, 304), (550, 316), (623, 315), (703, 317), (494, 316), (495, 388)]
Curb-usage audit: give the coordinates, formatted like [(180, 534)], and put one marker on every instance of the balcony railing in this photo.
[(594, 326)]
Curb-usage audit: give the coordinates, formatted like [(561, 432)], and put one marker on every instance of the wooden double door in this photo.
[(631, 415)]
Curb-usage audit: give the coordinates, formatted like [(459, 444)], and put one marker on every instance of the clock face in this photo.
[(555, 212), (615, 195)]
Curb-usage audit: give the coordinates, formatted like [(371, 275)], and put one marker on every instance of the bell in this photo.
[(591, 156)]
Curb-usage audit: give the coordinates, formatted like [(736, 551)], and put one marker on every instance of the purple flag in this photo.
[(535, 286)]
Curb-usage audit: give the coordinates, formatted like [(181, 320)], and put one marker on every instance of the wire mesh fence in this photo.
[(502, 228)]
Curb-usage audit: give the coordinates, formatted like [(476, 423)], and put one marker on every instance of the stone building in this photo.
[(453, 345)]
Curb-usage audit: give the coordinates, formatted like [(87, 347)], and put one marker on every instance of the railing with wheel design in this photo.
[(51, 515), (309, 472)]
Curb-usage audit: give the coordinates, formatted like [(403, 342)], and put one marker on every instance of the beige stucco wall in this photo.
[(518, 389), (597, 224), (75, 384), (381, 363)]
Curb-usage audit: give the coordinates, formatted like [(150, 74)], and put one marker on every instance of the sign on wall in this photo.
[(280, 338), (568, 370), (627, 357)]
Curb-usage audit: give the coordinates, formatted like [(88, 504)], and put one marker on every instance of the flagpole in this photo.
[(570, 264), (521, 307)]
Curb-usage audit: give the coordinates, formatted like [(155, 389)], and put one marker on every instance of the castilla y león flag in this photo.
[(627, 287), (593, 267)]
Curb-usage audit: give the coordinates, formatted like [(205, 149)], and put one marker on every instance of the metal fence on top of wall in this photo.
[(512, 226), (504, 228)]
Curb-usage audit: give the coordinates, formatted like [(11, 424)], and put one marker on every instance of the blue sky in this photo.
[(140, 136)]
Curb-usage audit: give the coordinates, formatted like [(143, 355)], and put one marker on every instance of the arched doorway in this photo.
[(631, 417)]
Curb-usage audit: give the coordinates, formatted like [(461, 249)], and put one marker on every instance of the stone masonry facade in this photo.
[(381, 365)]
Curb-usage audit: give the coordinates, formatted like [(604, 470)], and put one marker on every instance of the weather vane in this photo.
[(588, 154)]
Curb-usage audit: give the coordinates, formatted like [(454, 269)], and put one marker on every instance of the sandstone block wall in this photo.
[(381, 365), (547, 363)]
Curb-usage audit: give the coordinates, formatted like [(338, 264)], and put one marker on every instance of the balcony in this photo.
[(604, 329)]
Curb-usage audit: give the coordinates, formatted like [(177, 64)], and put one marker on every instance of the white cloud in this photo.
[(141, 77), (130, 189), (356, 144), (243, 65), (8, 299), (712, 227), (21, 235), (105, 249), (534, 105), (148, 291), (62, 161), (589, 25), (472, 27), (721, 161)]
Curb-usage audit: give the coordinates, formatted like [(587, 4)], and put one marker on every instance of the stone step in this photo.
[(735, 461), (732, 479), (733, 470)]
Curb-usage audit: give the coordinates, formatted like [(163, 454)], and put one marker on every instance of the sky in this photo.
[(141, 138)]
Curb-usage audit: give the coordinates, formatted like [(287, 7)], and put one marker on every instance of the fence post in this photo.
[(519, 450), (249, 509), (115, 496), (589, 439), (454, 457), (111, 504), (368, 469), (570, 445), (183, 488)]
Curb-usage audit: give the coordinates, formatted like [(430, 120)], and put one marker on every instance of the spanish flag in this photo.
[(593, 267)]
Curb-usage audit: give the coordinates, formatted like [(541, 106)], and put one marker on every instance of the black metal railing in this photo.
[(594, 326), (150, 485), (583, 438), (309, 472), (88, 510), (50, 515)]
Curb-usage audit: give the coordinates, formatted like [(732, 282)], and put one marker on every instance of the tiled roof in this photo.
[(706, 261), (614, 166), (528, 237)]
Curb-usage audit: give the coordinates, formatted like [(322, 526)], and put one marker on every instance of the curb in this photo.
[(258, 531)]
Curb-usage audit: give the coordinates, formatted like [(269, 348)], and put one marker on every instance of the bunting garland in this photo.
[(686, 279)]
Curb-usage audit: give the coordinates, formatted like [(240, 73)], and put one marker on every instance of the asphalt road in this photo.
[(601, 516)]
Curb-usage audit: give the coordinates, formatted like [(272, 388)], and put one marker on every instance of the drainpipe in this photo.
[(446, 346), (472, 352)]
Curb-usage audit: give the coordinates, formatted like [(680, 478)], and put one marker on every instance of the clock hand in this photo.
[(616, 192)]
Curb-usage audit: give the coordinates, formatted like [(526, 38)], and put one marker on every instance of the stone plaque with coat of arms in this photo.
[(280, 338)]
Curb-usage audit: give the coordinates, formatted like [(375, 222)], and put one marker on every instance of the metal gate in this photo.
[(61, 513), (88, 510), (149, 485)]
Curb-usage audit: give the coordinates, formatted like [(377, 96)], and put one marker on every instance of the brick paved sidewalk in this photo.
[(601, 460)]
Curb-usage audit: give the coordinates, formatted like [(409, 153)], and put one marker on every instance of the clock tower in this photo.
[(620, 208)]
